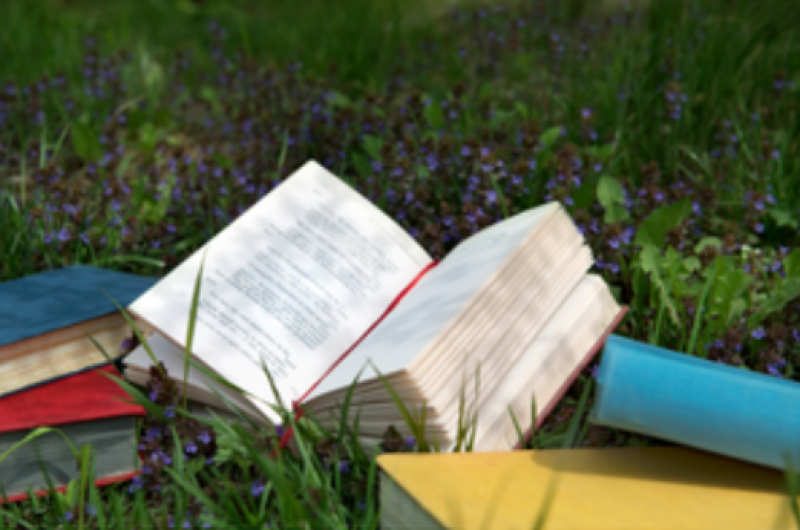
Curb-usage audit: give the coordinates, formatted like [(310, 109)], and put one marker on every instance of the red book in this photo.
[(87, 407)]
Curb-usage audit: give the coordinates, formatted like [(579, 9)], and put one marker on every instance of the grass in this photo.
[(132, 132)]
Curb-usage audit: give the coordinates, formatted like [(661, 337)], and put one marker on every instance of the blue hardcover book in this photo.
[(699, 403), (49, 315), (59, 298)]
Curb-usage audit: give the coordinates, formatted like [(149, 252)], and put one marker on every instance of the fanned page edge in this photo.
[(591, 354), (546, 212)]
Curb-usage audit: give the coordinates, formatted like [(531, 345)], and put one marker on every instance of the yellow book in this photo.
[(638, 488)]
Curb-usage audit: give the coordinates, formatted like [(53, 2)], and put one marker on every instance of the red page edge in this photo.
[(99, 482), (573, 376), (287, 435)]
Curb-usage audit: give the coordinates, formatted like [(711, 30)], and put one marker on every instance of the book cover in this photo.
[(620, 488), (82, 397), (59, 298), (696, 402), (78, 398)]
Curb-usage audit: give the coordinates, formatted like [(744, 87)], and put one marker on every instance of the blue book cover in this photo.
[(704, 404), (59, 298)]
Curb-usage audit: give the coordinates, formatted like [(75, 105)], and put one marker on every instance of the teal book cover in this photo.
[(699, 403), (59, 298)]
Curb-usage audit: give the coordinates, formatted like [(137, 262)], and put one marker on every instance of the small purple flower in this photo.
[(594, 371), (136, 483), (759, 228), (491, 196), (204, 437), (257, 488), (586, 113), (344, 467), (152, 434), (759, 333), (190, 447), (774, 368), (169, 412), (465, 151), (410, 441)]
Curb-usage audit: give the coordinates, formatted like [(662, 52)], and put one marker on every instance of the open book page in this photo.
[(293, 282), (436, 301)]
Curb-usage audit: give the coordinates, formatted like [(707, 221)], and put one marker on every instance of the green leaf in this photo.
[(706, 242), (209, 94), (584, 197), (785, 292), (362, 165), (691, 264), (699, 316), (434, 115), (85, 142), (550, 137), (604, 153), (783, 218), (651, 263), (223, 161), (612, 199), (653, 230), (725, 297), (337, 99), (521, 109), (373, 145), (792, 263)]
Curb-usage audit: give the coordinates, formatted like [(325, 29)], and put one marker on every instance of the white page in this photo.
[(434, 302), (295, 281)]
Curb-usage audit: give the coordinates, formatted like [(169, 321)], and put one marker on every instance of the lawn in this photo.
[(133, 131)]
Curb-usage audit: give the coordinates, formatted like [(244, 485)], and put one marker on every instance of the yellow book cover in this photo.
[(638, 488)]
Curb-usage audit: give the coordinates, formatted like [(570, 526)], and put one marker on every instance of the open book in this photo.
[(298, 279)]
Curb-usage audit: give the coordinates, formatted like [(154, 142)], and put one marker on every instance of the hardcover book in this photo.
[(89, 408), (633, 488), (697, 402), (46, 319), (322, 287)]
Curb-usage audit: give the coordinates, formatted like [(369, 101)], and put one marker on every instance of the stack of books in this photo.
[(322, 289), (53, 375)]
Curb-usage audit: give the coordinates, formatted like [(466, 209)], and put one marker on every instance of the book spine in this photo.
[(573, 376), (698, 403)]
